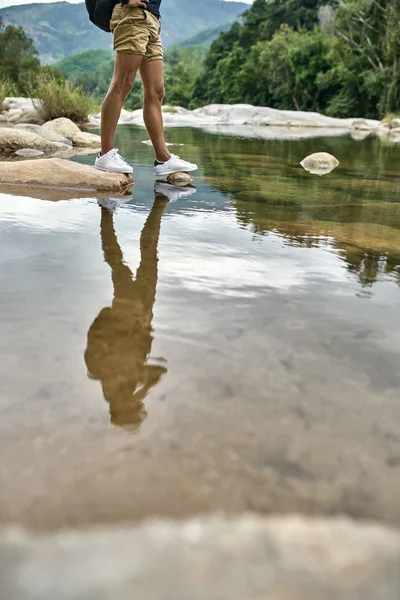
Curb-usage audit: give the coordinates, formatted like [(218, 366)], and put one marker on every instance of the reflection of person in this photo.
[(120, 338)]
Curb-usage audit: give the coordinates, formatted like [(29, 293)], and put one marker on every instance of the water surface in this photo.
[(234, 349)]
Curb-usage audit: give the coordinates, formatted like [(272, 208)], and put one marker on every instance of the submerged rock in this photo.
[(58, 173), (320, 163), (210, 558), (179, 179), (28, 153), (12, 139)]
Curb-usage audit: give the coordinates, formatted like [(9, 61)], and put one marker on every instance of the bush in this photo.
[(57, 98), (6, 90)]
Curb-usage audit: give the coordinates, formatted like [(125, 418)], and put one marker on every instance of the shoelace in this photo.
[(117, 157)]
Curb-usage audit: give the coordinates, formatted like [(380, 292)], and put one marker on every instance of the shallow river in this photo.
[(236, 348)]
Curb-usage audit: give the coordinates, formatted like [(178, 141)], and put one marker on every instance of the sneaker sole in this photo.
[(113, 170), (169, 171)]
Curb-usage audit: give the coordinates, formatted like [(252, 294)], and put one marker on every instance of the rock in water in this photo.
[(64, 127), (28, 153), (58, 173), (181, 179), (12, 139), (86, 140), (45, 133), (320, 163)]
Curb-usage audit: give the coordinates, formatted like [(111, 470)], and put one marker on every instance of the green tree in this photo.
[(19, 62), (365, 53)]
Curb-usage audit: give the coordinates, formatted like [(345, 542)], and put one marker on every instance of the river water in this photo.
[(236, 348)]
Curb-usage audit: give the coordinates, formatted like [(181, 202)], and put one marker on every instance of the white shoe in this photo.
[(112, 162), (173, 165), (173, 192), (110, 204)]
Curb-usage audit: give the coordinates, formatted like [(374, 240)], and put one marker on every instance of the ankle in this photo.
[(106, 150), (163, 156)]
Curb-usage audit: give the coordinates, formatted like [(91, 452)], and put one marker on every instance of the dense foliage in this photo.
[(342, 59), (23, 75)]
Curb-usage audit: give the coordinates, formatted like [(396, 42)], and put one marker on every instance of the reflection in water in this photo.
[(120, 338)]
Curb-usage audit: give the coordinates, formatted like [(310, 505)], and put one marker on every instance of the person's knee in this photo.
[(155, 93), (123, 84)]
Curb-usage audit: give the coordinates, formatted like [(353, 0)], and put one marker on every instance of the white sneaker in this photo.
[(173, 192), (113, 163), (111, 204), (174, 165)]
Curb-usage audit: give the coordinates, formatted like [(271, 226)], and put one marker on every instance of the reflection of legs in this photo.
[(152, 77), (126, 67), (121, 337)]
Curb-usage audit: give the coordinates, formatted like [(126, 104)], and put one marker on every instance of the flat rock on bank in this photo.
[(58, 173), (246, 558)]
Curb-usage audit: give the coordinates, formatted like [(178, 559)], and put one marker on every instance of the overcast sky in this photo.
[(4, 3)]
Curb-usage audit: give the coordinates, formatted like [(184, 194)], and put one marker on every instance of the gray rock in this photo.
[(44, 132), (320, 163), (64, 127), (86, 140), (361, 125), (180, 179), (12, 139), (28, 153), (243, 558)]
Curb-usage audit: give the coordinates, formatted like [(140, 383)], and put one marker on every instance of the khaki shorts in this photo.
[(136, 31)]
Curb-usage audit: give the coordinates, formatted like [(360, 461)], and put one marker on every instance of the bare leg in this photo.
[(152, 77), (126, 67)]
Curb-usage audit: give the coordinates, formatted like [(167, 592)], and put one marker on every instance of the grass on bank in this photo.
[(6, 90), (59, 98)]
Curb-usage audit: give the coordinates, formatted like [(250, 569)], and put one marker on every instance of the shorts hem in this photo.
[(152, 59)]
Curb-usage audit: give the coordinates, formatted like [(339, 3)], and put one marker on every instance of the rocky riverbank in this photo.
[(239, 119), (263, 122)]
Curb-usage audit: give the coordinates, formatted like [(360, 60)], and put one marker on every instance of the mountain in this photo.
[(61, 29)]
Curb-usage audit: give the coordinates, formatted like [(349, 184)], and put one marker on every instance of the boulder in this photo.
[(58, 173), (395, 124), (180, 179), (86, 140), (209, 558), (45, 133), (361, 125), (320, 163), (22, 110), (64, 127), (28, 153), (12, 139)]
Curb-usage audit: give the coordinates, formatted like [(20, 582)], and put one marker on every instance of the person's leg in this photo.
[(151, 73), (126, 67)]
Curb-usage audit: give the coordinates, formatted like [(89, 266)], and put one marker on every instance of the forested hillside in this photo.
[(341, 59)]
